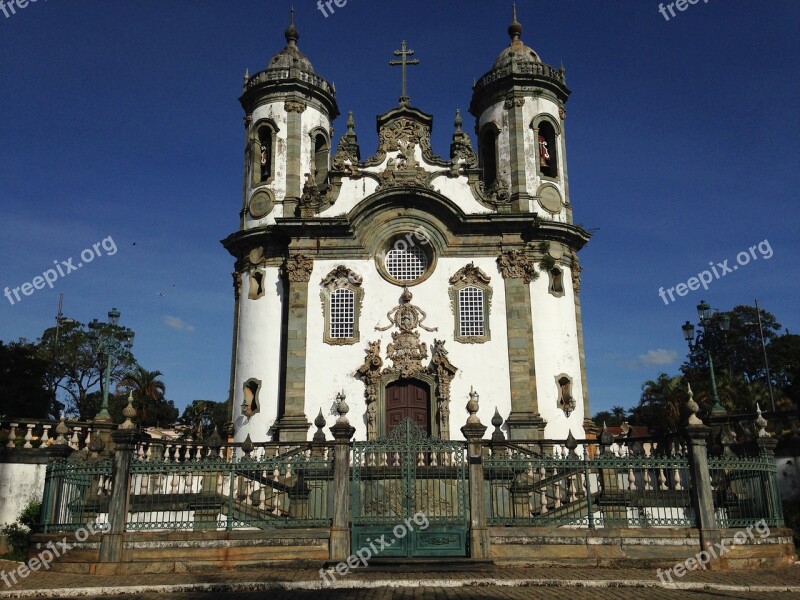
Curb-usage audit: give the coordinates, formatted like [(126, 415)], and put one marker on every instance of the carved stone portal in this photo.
[(407, 352)]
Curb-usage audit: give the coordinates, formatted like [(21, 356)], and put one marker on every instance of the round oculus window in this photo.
[(406, 264)]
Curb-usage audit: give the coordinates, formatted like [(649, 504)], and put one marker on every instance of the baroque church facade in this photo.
[(405, 283)]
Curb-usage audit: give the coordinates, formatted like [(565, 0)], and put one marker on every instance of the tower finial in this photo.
[(291, 33), (515, 29)]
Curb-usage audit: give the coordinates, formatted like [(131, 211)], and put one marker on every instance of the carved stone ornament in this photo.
[(312, 198), (294, 106), (406, 350), (461, 152), (576, 275), (298, 268), (404, 169), (370, 374), (237, 284), (498, 193), (562, 113), (514, 264), (340, 277), (470, 274), (512, 102), (444, 371)]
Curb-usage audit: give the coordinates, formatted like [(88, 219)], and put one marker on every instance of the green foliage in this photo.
[(615, 417), (661, 404), (201, 417), (78, 365), (19, 533), (24, 382), (152, 407)]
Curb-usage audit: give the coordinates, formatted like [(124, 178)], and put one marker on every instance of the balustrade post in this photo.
[(479, 531), (698, 434), (340, 528), (125, 440)]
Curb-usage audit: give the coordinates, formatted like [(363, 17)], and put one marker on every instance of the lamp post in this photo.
[(708, 317), (108, 343)]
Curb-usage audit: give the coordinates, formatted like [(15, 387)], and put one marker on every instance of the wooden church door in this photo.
[(408, 399)]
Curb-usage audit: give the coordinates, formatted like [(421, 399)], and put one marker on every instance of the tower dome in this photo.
[(291, 57), (517, 50)]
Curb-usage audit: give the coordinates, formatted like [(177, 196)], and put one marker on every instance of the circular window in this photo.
[(407, 260), (406, 264)]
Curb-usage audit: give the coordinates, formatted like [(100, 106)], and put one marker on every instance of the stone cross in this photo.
[(404, 53)]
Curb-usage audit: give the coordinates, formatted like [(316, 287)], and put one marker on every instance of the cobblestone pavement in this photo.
[(489, 593), (480, 581)]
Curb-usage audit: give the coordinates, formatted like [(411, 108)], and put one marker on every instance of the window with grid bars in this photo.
[(406, 264), (342, 313), (470, 312)]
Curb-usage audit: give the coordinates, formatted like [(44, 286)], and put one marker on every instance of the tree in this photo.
[(202, 416), (148, 393), (24, 389), (76, 364), (615, 417), (661, 403), (784, 361)]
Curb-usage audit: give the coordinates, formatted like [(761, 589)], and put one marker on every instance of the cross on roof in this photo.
[(404, 53)]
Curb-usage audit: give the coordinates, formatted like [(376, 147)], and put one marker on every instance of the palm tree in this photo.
[(147, 389), (661, 402)]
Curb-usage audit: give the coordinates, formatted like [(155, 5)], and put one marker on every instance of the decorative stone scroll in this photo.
[(298, 268), (514, 264)]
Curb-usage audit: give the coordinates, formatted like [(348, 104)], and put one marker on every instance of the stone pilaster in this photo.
[(292, 424), (520, 198), (524, 422), (294, 176)]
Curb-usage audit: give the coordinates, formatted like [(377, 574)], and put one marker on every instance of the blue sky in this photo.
[(121, 119)]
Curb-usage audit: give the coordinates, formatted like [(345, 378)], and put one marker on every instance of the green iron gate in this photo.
[(412, 490)]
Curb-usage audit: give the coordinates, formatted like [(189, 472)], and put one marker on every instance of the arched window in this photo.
[(471, 295), (488, 155), (264, 141), (341, 295), (566, 401), (250, 402), (321, 155), (548, 149)]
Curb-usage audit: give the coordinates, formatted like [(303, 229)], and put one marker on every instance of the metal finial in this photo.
[(515, 29), (291, 34)]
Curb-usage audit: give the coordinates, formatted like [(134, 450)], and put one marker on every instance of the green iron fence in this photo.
[(178, 488), (75, 494), (745, 490), (547, 484)]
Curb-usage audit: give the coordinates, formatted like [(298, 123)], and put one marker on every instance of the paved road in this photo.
[(466, 593)]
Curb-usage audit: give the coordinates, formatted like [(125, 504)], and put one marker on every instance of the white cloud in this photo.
[(658, 358), (177, 324)]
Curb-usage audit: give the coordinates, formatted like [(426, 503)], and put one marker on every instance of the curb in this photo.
[(353, 584)]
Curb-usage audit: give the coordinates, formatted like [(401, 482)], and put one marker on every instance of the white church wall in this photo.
[(533, 107), (330, 369), (258, 356), (555, 339), (275, 112)]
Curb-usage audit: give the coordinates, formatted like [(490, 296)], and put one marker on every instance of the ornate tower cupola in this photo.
[(289, 110), (519, 107)]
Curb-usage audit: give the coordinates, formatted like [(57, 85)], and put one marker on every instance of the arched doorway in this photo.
[(408, 399)]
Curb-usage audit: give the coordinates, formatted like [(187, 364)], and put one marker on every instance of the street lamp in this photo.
[(708, 317), (109, 344)]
